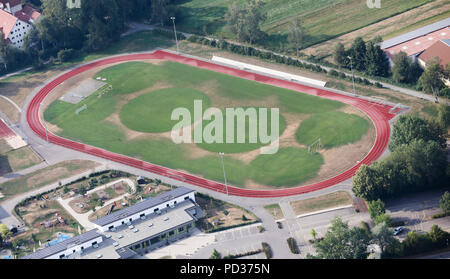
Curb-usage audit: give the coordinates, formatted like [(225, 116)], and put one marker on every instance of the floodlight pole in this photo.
[(353, 75), (224, 174), (175, 31)]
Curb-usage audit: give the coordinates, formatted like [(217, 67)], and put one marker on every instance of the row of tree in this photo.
[(418, 162), (363, 57), (343, 242), (92, 27)]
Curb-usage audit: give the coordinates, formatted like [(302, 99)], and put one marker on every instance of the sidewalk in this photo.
[(83, 218)]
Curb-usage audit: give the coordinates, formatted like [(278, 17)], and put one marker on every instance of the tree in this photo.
[(4, 231), (376, 208), (340, 242), (405, 70), (340, 55), (383, 236), (215, 255), (412, 127), (444, 115), (160, 11), (417, 166), (245, 21), (368, 183), (66, 189), (445, 202), (358, 52), (382, 219), (296, 35), (400, 70), (377, 61), (431, 79), (313, 233)]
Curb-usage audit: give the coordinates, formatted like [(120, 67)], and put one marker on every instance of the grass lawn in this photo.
[(333, 128), (286, 167), (22, 158), (322, 19), (236, 146), (158, 106), (275, 211), (150, 113), (44, 177), (339, 198)]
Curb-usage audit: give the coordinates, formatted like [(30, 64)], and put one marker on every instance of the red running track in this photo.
[(5, 131), (378, 113)]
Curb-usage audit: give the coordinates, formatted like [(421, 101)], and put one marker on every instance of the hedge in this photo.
[(293, 245), (267, 250)]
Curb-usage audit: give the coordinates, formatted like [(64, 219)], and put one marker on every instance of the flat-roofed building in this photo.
[(68, 247), (144, 208), (174, 219)]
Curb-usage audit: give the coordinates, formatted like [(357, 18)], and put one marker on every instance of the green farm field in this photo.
[(322, 19), (134, 119)]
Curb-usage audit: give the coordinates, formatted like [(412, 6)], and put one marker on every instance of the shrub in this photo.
[(366, 228), (65, 55), (379, 85), (267, 250), (445, 93), (333, 73), (293, 245)]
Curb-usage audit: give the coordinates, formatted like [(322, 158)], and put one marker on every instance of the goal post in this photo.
[(315, 146)]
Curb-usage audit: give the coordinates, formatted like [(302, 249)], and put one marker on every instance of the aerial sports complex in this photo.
[(325, 135)]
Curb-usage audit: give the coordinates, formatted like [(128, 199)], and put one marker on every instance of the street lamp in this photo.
[(175, 31), (224, 174), (353, 75)]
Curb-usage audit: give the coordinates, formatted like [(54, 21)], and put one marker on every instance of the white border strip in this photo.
[(283, 75)]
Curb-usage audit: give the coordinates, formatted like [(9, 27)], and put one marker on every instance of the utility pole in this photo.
[(353, 75), (175, 31), (224, 174)]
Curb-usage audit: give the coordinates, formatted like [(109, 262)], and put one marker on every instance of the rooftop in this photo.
[(141, 206), (62, 246), (416, 33), (152, 225), (7, 22), (440, 49)]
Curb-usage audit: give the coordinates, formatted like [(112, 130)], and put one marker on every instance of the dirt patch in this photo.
[(353, 110), (340, 159), (339, 198), (9, 110), (220, 214)]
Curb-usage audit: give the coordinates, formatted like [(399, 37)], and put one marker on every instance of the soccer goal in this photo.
[(393, 109), (315, 146)]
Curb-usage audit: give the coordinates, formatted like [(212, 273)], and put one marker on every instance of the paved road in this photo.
[(274, 236), (8, 205)]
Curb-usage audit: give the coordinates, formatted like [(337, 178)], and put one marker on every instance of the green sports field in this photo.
[(134, 119)]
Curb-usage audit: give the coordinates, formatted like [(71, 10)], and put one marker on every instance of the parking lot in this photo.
[(236, 234)]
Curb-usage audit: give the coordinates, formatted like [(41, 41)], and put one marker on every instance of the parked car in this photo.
[(398, 230)]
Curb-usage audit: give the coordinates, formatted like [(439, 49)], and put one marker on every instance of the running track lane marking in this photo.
[(378, 113)]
